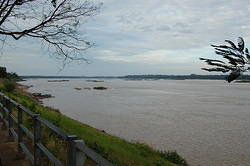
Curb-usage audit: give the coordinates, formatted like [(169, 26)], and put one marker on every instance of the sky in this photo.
[(141, 37)]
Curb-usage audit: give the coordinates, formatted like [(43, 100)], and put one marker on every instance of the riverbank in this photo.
[(118, 151)]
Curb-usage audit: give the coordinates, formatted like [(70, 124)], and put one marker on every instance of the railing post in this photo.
[(4, 113), (71, 151), (19, 132), (80, 156), (9, 107), (37, 139), (1, 109)]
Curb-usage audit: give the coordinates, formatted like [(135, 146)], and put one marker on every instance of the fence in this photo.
[(77, 151)]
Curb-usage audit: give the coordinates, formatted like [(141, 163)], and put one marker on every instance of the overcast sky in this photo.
[(142, 37)]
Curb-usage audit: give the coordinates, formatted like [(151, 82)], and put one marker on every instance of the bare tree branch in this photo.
[(53, 22)]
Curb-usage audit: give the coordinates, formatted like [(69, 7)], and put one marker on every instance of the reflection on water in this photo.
[(207, 122)]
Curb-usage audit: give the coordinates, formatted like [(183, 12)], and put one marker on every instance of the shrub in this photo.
[(174, 157), (8, 86), (13, 76)]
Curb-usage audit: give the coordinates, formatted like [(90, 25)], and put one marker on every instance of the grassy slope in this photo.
[(117, 150)]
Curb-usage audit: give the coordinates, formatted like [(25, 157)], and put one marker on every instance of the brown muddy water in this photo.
[(207, 122)]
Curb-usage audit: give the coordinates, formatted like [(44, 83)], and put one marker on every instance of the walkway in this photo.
[(8, 151)]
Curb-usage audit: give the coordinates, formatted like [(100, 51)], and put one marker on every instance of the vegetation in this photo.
[(100, 88), (11, 76), (3, 72), (237, 59), (174, 157), (148, 76), (175, 77), (117, 150), (7, 85)]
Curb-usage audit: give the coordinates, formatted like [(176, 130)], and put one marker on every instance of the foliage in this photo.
[(7, 86), (3, 72), (54, 22), (174, 157), (13, 76), (237, 59)]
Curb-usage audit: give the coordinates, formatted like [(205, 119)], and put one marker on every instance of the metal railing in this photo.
[(77, 151)]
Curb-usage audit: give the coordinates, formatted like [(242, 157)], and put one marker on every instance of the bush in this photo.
[(13, 77), (174, 157), (8, 86)]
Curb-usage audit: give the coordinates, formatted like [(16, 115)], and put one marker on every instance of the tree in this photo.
[(3, 72), (54, 22), (237, 59)]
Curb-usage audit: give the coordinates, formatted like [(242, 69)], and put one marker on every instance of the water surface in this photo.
[(207, 122)]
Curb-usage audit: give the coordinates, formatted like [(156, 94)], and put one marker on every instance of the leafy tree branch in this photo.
[(236, 59)]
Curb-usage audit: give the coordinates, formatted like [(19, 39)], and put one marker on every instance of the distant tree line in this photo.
[(183, 77), (146, 76)]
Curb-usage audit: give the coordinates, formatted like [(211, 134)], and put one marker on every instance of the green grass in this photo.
[(119, 151)]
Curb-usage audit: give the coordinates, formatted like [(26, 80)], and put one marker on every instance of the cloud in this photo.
[(172, 24), (150, 57), (164, 28)]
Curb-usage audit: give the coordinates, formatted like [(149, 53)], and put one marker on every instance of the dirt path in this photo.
[(8, 151)]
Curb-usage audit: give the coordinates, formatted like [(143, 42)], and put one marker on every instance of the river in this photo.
[(206, 121)]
